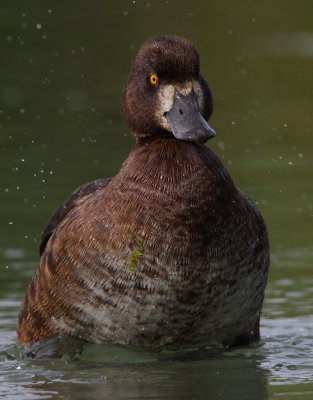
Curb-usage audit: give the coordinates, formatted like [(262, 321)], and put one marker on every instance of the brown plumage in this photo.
[(167, 252), (77, 197)]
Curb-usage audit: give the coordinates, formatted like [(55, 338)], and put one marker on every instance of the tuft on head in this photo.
[(174, 60)]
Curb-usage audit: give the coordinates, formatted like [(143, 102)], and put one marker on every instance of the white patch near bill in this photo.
[(184, 88), (166, 99), (199, 93)]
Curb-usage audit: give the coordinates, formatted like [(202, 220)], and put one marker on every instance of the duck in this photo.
[(169, 252)]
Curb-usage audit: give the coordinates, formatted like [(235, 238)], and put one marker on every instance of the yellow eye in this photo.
[(153, 79)]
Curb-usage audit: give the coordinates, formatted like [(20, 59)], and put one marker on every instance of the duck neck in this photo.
[(142, 140), (174, 161)]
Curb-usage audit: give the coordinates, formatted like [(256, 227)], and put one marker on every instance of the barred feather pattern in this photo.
[(200, 275)]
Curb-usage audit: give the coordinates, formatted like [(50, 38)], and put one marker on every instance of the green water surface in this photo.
[(63, 66)]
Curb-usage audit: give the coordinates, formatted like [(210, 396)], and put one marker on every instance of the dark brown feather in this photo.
[(77, 197), (168, 252)]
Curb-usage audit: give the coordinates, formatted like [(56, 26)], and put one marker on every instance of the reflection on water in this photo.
[(61, 75), (276, 366), (122, 373), (287, 349)]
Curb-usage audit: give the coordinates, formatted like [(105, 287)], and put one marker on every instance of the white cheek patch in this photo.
[(184, 88), (166, 100), (199, 93)]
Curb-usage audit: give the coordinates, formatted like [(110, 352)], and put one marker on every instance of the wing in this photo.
[(71, 202)]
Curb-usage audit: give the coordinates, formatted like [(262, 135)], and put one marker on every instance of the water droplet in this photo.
[(221, 145), (13, 253), (38, 26)]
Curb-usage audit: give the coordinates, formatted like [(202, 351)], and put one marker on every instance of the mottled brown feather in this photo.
[(72, 201), (170, 252)]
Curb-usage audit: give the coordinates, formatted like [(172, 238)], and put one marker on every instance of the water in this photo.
[(61, 76), (280, 366)]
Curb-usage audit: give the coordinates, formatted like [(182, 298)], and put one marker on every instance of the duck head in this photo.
[(165, 93)]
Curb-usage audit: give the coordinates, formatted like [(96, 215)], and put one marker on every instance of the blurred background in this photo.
[(63, 66)]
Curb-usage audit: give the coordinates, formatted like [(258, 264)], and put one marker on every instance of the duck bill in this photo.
[(186, 121)]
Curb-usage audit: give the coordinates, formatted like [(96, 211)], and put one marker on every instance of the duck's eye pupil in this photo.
[(153, 79)]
